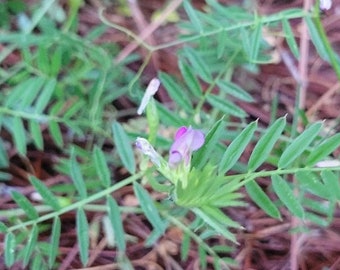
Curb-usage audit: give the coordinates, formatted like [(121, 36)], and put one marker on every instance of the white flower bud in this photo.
[(149, 92), (146, 148)]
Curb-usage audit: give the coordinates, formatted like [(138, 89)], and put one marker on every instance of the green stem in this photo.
[(45, 208), (80, 203), (265, 20), (253, 175)]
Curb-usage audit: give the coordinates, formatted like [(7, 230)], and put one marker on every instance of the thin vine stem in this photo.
[(81, 203), (295, 14), (253, 175)]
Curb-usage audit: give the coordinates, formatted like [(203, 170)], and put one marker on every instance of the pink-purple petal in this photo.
[(180, 132), (197, 140), (186, 141), (174, 158)]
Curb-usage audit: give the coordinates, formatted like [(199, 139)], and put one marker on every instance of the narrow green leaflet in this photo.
[(289, 35), (9, 249), (149, 207), (262, 200), (215, 224), (77, 176), (316, 39), (30, 245), (82, 235), (298, 145), (311, 183), (236, 148), (286, 195), (124, 148), (56, 61), (317, 207), (225, 106), (211, 140), (222, 42), (316, 219), (185, 246), (197, 62), (192, 14), (55, 132), (332, 183), (24, 93), (19, 135), (45, 193), (234, 90), (202, 257), (190, 79), (54, 244), (3, 155), (37, 262), (265, 144), (256, 42), (246, 42), (323, 150), (43, 62), (217, 214), (175, 91), (117, 224), (45, 95), (35, 131), (101, 167), (25, 205)]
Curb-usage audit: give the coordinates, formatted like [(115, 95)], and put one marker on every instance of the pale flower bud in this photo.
[(146, 148)]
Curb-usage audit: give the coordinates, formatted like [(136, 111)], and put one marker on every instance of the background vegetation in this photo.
[(261, 192)]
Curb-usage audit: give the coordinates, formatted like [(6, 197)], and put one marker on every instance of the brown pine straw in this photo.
[(324, 99), (148, 30)]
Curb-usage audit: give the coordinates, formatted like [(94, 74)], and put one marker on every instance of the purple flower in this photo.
[(186, 141)]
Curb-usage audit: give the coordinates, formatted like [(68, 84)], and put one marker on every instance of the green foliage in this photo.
[(286, 195), (45, 193), (265, 144), (124, 148), (82, 235), (262, 200), (236, 148), (65, 88), (117, 224), (298, 145), (149, 208), (25, 205), (54, 244)]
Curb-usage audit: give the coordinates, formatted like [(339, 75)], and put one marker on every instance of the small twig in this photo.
[(69, 258), (149, 30), (142, 24), (323, 99)]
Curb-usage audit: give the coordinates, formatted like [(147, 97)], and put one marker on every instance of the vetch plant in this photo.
[(178, 166), (198, 179)]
